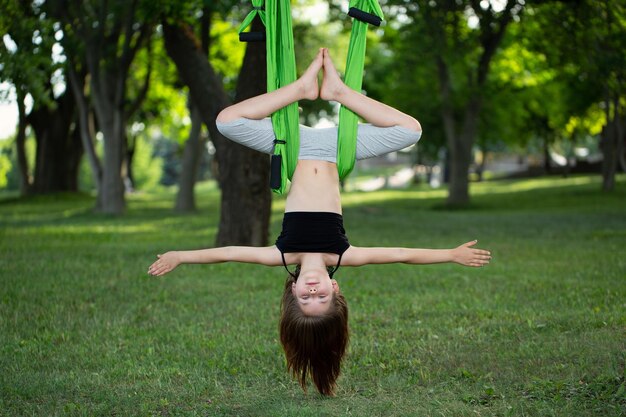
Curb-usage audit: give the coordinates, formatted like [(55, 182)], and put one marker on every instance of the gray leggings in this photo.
[(320, 143)]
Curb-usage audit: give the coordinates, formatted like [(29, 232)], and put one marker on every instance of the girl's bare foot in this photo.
[(332, 86), (308, 80)]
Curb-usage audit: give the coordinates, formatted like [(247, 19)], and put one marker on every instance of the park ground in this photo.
[(541, 331)]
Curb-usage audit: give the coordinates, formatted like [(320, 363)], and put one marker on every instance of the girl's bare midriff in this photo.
[(314, 187)]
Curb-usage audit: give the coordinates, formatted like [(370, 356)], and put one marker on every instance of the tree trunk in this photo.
[(243, 173), (460, 146), (458, 192), (20, 143), (492, 27), (84, 126), (185, 200), (130, 143), (621, 142), (480, 170), (192, 153), (112, 191), (107, 91), (547, 167), (611, 134), (58, 150), (111, 35)]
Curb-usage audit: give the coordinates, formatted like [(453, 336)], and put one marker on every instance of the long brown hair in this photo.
[(314, 345)]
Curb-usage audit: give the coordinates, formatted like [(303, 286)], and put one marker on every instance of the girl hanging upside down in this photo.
[(314, 313)]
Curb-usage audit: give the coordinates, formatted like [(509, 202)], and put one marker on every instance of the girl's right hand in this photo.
[(166, 263)]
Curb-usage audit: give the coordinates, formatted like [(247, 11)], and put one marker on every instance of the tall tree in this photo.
[(185, 199), (608, 46), (583, 42), (453, 43), (85, 120), (464, 60), (112, 32), (192, 154), (59, 148), (243, 173), (32, 67)]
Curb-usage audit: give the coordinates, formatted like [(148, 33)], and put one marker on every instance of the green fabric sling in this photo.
[(281, 70), (353, 78), (257, 9)]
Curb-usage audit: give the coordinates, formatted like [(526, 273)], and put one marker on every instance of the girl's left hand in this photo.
[(468, 256)]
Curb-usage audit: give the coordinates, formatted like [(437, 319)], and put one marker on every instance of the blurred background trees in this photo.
[(121, 96)]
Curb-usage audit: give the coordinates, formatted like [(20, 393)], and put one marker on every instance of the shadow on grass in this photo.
[(79, 209)]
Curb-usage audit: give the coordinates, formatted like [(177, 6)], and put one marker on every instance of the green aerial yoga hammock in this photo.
[(281, 70)]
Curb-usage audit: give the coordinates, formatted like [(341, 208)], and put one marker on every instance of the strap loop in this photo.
[(281, 71), (258, 8)]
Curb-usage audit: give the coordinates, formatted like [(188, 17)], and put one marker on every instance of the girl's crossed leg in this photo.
[(306, 87)]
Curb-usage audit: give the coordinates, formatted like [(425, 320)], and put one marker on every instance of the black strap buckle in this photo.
[(252, 37), (359, 14), (276, 172)]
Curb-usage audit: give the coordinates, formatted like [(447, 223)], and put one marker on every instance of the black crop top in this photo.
[(314, 232)]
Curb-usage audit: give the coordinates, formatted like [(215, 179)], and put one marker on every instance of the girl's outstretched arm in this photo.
[(268, 255), (464, 254)]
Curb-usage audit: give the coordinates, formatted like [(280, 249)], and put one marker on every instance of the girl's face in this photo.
[(314, 291)]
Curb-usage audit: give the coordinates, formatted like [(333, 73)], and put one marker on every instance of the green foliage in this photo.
[(165, 107), (189, 10), (5, 168), (8, 154), (400, 73), (518, 80), (226, 52), (544, 82), (28, 63), (547, 81), (146, 168), (539, 332), (85, 174), (579, 43)]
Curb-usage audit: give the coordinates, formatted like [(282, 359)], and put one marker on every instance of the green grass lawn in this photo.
[(539, 332)]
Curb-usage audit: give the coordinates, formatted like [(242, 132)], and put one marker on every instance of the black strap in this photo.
[(285, 265), (279, 141), (330, 274), (252, 37)]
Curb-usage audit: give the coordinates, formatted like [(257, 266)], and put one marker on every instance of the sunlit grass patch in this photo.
[(512, 186)]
